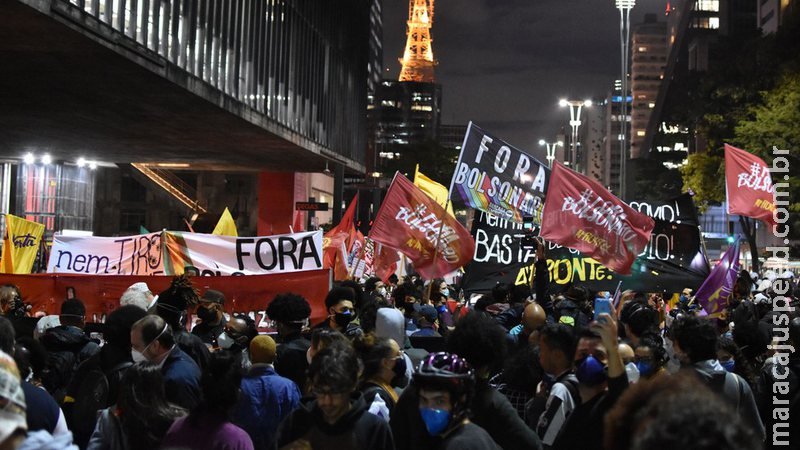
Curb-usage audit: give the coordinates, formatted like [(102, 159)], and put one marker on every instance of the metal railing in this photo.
[(173, 185)]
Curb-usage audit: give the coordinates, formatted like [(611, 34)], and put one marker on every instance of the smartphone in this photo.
[(601, 305)]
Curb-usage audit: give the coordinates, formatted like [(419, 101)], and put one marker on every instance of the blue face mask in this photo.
[(436, 420), (728, 365), (445, 292), (645, 368), (591, 372)]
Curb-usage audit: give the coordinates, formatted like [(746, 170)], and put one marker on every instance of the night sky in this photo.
[(504, 64)]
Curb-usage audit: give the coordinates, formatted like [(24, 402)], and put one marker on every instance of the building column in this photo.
[(277, 194)]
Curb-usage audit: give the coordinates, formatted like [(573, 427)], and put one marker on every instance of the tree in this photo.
[(435, 161)]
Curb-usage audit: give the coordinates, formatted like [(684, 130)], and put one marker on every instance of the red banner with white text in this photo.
[(580, 213), (243, 294)]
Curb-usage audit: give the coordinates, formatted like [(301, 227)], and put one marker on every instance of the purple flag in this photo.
[(713, 295)]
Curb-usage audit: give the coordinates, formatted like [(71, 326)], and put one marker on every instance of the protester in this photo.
[(601, 381), (654, 415), (290, 313), (321, 339), (139, 294), (97, 381), (638, 318), (67, 346), (783, 375), (211, 312), (426, 322), (337, 418), (696, 348), (13, 424), (383, 363), (651, 356), (236, 336), (266, 397), (375, 286), (43, 413), (208, 425), (480, 340), (152, 340), (445, 385), (340, 305), (141, 416), (520, 377), (557, 347), (172, 306)]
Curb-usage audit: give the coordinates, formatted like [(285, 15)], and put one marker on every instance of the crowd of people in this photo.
[(402, 364)]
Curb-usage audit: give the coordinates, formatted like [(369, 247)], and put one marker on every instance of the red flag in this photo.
[(748, 185), (385, 263), (409, 221), (337, 242), (298, 222), (579, 213)]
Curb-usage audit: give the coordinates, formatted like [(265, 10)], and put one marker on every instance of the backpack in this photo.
[(58, 370), (93, 395)]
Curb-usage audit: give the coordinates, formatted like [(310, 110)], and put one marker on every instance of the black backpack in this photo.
[(97, 391), (58, 370)]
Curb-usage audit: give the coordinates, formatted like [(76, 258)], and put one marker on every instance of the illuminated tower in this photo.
[(418, 59)]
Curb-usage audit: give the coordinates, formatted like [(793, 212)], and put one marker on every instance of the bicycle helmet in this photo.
[(445, 370)]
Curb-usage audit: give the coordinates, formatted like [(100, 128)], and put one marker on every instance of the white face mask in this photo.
[(308, 356), (632, 372), (224, 341), (382, 291), (137, 356)]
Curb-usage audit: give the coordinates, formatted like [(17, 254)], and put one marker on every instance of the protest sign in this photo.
[(498, 178), (672, 260), (228, 255), (129, 255)]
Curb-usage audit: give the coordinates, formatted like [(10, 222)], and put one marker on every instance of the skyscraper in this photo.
[(649, 49)]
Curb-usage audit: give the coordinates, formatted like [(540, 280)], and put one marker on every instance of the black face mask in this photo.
[(206, 315), (343, 319)]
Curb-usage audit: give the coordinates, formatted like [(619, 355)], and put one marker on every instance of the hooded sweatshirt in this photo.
[(734, 389), (356, 429)]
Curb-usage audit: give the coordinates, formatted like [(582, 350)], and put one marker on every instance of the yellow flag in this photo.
[(20, 244), (226, 226), (434, 190)]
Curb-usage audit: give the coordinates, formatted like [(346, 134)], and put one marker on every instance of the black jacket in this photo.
[(67, 347), (584, 427), (290, 359), (357, 429), (492, 411)]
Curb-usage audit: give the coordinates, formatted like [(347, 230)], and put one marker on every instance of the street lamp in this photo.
[(624, 7), (551, 150), (574, 122)]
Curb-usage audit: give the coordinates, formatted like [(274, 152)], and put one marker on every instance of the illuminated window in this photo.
[(707, 5), (640, 133), (651, 105), (642, 49), (713, 23)]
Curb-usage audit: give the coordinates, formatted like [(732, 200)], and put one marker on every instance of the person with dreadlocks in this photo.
[(172, 306)]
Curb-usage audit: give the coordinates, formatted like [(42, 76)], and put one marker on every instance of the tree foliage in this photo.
[(435, 161)]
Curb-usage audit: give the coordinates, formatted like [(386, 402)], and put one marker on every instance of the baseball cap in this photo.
[(428, 312), (12, 416), (213, 296)]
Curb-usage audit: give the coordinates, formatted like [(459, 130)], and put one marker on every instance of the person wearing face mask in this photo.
[(651, 357), (290, 312), (212, 320), (267, 398), (695, 344), (340, 303), (383, 363), (445, 384), (152, 340), (236, 337), (602, 379), (374, 286)]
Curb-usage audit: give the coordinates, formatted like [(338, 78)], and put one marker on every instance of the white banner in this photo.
[(128, 255), (228, 255)]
